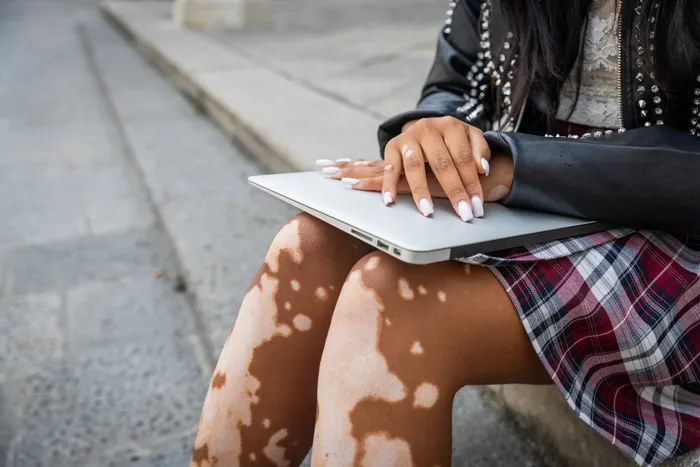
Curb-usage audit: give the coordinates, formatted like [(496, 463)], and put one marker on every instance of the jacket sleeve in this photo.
[(643, 178), (447, 87)]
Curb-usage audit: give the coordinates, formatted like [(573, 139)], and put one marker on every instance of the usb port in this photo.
[(382, 245), (397, 252)]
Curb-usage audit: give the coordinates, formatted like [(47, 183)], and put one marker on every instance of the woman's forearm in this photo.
[(645, 178)]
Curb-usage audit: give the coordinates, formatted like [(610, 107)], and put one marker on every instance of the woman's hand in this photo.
[(456, 153), (367, 175)]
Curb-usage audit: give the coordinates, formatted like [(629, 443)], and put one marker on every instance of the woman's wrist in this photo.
[(500, 179)]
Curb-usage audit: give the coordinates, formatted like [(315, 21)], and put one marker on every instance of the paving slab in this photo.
[(76, 412), (31, 331)]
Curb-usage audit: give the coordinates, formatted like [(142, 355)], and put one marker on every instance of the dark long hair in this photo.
[(548, 39)]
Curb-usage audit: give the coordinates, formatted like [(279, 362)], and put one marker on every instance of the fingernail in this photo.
[(485, 164), (465, 212), (477, 206), (344, 159), (350, 181), (388, 198), (425, 207), (330, 170), (324, 162)]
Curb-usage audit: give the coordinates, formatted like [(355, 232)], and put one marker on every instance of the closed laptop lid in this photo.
[(402, 226)]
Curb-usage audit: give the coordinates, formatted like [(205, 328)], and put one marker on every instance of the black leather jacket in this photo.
[(644, 175)]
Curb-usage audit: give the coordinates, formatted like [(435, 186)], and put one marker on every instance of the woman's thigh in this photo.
[(403, 340)]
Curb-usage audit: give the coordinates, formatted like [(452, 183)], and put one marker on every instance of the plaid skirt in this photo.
[(615, 318)]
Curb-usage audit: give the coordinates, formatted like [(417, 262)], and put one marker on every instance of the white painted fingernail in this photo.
[(485, 164), (344, 159), (465, 212), (350, 181), (477, 206), (324, 162), (388, 198), (330, 170), (425, 207)]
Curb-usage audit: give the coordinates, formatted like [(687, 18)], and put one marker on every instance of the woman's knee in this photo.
[(306, 240)]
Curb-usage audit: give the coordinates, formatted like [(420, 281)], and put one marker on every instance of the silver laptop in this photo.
[(401, 231)]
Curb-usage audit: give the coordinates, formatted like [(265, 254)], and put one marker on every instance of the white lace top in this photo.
[(598, 99)]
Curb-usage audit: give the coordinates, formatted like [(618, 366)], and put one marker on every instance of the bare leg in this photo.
[(261, 403), (403, 340)]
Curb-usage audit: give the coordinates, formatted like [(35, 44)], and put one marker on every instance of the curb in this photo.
[(243, 136)]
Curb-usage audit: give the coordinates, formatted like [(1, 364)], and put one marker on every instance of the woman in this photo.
[(361, 354)]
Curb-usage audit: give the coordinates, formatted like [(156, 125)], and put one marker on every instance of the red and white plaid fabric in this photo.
[(615, 318)]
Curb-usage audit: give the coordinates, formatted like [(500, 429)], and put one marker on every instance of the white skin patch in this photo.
[(416, 348), (352, 369), (256, 324), (296, 286), (388, 322), (287, 306), (422, 290), (252, 456), (405, 290), (274, 452), (497, 193), (380, 451), (426, 396), (321, 293), (266, 423), (442, 296), (372, 263), (288, 240), (302, 322)]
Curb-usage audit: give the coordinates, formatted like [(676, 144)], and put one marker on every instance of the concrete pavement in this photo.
[(129, 237)]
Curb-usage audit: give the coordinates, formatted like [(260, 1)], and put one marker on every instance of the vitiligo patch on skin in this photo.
[(417, 348), (287, 306), (296, 286), (321, 293), (256, 324), (425, 396), (343, 372), (274, 452), (405, 290), (381, 451), (372, 263), (497, 193), (287, 239), (266, 423), (218, 381), (302, 322), (422, 290), (387, 322), (252, 456), (442, 296)]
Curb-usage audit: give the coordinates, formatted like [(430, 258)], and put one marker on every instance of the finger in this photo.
[(321, 163), (352, 170), (440, 160), (480, 150), (461, 150), (392, 172), (377, 184), (414, 168)]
